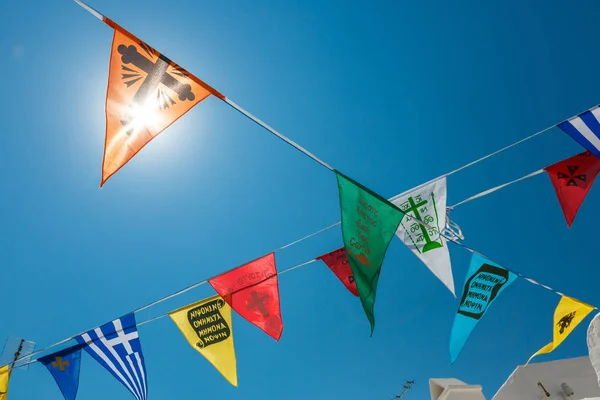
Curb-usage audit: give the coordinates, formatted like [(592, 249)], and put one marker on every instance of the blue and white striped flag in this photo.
[(116, 346), (585, 129)]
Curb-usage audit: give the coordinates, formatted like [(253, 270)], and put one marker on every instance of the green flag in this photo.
[(368, 224)]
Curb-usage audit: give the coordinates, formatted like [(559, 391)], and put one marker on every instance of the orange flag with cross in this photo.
[(147, 92)]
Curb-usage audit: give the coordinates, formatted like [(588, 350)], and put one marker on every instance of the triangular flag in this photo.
[(207, 327), (484, 283), (427, 203), (252, 290), (568, 314), (572, 179), (116, 346), (4, 378), (147, 92), (585, 129), (593, 343), (64, 367), (337, 261), (368, 224)]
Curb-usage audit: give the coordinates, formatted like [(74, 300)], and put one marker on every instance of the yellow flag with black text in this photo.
[(207, 327), (4, 377), (568, 314)]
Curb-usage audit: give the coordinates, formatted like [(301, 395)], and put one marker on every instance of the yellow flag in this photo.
[(4, 377), (207, 327), (568, 314)]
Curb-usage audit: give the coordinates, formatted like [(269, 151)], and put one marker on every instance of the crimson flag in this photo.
[(252, 290), (572, 179), (337, 261)]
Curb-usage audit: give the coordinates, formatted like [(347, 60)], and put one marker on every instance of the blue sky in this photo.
[(391, 93)]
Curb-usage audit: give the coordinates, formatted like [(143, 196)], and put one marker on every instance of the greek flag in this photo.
[(585, 129), (116, 346)]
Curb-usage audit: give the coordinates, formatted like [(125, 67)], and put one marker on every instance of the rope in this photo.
[(520, 275), (279, 135), (494, 189), (138, 324), (501, 150)]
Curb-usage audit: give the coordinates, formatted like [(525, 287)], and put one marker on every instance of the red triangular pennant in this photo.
[(337, 261), (252, 290), (572, 179)]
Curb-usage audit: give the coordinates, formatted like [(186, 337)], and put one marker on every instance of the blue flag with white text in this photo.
[(64, 366), (116, 346), (485, 281)]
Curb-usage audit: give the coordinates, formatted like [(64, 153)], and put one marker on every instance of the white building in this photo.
[(569, 379)]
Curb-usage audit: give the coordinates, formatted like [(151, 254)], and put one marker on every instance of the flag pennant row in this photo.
[(116, 346), (427, 204), (147, 92), (4, 378), (585, 129), (252, 290), (64, 367), (485, 281), (593, 343), (207, 327), (568, 314), (337, 261), (368, 224), (572, 179)]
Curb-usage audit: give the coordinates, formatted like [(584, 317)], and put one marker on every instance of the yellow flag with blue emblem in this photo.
[(4, 377), (207, 327), (568, 314)]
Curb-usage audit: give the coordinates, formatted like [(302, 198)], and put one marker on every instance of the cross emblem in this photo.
[(60, 364), (122, 337), (156, 74), (571, 178), (258, 302), (414, 208)]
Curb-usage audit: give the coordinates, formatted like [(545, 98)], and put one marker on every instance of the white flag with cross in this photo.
[(427, 203)]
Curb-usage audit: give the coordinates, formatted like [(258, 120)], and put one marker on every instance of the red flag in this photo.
[(572, 179), (337, 261), (252, 290)]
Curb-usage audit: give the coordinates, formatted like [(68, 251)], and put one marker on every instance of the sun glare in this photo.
[(146, 116)]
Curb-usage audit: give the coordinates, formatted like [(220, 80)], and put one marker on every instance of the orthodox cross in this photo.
[(414, 208), (156, 74), (257, 301)]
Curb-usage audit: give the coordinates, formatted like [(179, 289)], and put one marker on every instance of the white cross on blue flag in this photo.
[(585, 129), (116, 346)]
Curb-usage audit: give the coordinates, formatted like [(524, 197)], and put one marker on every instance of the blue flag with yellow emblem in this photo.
[(64, 367)]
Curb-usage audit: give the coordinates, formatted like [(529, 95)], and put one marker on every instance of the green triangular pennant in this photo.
[(368, 224)]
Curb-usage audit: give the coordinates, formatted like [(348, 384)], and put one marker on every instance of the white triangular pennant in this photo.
[(428, 204)]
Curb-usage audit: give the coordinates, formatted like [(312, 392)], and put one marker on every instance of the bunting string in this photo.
[(452, 238), (495, 189), (520, 275), (391, 215), (150, 320)]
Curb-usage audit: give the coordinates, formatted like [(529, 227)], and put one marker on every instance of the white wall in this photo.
[(453, 389), (577, 373)]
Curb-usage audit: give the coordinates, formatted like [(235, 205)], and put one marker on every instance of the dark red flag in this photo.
[(252, 290), (572, 179), (337, 261)]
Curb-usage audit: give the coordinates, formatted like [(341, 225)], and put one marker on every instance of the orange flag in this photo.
[(147, 92)]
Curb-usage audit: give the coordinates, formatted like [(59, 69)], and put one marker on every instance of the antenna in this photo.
[(407, 387), (15, 353)]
